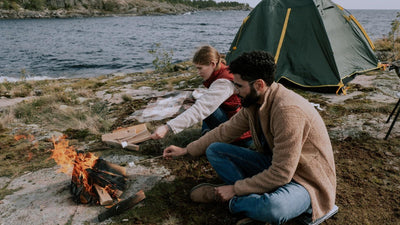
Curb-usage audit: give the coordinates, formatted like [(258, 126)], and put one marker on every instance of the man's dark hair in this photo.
[(254, 65)]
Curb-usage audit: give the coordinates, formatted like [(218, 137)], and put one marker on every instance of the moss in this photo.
[(4, 192), (77, 134)]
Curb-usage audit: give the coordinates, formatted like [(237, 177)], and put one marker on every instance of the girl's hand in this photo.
[(160, 132)]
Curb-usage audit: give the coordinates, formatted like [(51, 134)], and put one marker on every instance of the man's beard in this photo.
[(251, 99)]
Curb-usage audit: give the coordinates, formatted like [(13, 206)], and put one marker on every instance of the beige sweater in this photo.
[(299, 141)]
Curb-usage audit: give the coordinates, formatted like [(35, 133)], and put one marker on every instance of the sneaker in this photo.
[(204, 193), (306, 219)]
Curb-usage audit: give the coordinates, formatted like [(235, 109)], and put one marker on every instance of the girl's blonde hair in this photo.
[(207, 54)]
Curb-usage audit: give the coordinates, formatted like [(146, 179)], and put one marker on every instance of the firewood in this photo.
[(122, 206), (130, 146), (123, 133), (118, 193), (120, 169), (104, 174), (127, 137), (139, 137), (104, 197)]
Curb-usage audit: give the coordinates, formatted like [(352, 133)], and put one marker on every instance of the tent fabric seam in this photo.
[(329, 85), (310, 86), (362, 71)]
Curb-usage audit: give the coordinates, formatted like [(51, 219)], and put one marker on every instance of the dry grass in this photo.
[(6, 118), (389, 47)]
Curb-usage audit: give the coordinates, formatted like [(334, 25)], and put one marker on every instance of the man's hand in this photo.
[(225, 193), (160, 132), (174, 151)]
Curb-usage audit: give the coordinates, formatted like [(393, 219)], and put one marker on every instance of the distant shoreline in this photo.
[(86, 13)]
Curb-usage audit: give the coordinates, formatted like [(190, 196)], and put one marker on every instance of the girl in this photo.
[(216, 105)]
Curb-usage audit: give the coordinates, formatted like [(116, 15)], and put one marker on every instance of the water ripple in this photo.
[(84, 47)]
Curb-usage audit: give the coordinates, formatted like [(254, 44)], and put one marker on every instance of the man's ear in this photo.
[(260, 85)]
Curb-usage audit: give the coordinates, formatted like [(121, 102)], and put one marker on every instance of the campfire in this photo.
[(94, 180)]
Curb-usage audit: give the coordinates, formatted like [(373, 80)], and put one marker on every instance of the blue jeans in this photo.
[(215, 119), (234, 163)]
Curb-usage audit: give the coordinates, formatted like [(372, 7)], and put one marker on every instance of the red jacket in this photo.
[(232, 105)]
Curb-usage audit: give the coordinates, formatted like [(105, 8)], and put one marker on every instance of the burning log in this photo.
[(122, 206), (106, 175), (80, 192), (89, 171), (104, 197)]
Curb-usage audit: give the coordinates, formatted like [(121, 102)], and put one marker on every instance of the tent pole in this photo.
[(278, 51)]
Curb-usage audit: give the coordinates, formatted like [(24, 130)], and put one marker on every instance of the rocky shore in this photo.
[(92, 8)]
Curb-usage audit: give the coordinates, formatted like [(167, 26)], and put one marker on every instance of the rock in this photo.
[(38, 92), (119, 74), (52, 134), (82, 100), (64, 107), (44, 195), (4, 181), (182, 84)]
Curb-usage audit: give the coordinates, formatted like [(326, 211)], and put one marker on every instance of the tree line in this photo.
[(205, 3)]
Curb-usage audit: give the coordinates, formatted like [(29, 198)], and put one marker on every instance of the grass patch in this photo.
[(19, 156), (63, 111)]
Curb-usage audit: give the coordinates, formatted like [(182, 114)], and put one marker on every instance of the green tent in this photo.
[(317, 44)]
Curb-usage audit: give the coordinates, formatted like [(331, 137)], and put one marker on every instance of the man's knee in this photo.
[(272, 211), (214, 148)]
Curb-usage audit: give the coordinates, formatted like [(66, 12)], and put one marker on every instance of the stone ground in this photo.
[(43, 196), (4, 102)]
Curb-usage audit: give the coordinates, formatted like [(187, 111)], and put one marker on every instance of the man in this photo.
[(292, 170)]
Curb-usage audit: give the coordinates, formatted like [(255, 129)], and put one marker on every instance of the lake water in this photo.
[(85, 47)]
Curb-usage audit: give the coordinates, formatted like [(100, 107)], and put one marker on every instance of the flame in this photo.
[(72, 162), (112, 191)]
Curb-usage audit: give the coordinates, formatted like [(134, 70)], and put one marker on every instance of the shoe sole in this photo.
[(204, 184), (208, 185), (306, 220)]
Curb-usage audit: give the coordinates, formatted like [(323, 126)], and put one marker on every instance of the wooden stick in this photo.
[(122, 206), (149, 159), (104, 197)]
